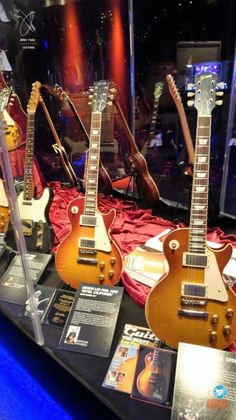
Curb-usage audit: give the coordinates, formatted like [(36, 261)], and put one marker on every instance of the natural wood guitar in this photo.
[(182, 116), (192, 303), (146, 185), (79, 146), (88, 253)]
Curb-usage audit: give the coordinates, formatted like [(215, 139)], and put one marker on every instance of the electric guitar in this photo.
[(33, 211), (151, 380), (77, 147), (192, 303), (157, 94), (182, 116), (88, 253)]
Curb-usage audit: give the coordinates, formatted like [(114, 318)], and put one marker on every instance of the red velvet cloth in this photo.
[(131, 228)]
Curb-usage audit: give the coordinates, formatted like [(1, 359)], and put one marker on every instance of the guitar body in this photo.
[(164, 301), (76, 263), (13, 136), (148, 386), (36, 228), (4, 209), (148, 186)]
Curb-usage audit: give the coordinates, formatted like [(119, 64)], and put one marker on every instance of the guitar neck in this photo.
[(152, 131), (28, 191), (199, 204), (157, 95), (92, 170)]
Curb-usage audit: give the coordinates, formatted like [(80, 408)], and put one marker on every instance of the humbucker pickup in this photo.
[(191, 259), (193, 290), (87, 243), (88, 220)]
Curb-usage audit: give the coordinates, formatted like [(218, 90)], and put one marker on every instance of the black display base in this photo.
[(90, 370)]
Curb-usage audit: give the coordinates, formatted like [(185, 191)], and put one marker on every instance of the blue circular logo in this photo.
[(219, 391)]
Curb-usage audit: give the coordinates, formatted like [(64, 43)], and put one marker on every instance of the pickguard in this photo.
[(216, 289), (34, 209), (101, 238)]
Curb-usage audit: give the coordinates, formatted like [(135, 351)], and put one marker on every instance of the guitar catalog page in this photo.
[(92, 320)]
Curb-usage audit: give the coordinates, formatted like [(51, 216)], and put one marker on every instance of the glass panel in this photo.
[(171, 38)]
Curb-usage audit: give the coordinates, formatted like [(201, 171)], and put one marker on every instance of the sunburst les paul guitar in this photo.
[(89, 254), (33, 211), (192, 303)]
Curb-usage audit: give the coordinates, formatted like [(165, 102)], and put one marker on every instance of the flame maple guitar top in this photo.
[(174, 316), (100, 264)]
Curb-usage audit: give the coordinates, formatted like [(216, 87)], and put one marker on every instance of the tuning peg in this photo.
[(219, 103), (221, 85), (190, 103), (190, 86), (190, 94), (219, 93)]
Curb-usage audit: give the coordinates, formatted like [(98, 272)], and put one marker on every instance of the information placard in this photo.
[(91, 322)]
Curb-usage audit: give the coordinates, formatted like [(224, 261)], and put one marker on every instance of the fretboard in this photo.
[(152, 130), (29, 154), (92, 170), (199, 203), (155, 357)]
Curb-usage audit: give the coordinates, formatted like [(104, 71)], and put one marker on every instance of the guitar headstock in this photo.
[(205, 91), (56, 91), (173, 89), (5, 94), (34, 97), (102, 94)]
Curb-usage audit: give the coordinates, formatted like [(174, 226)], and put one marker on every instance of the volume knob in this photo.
[(112, 260), (101, 278)]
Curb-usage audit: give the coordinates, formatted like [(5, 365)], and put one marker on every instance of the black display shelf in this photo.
[(90, 370)]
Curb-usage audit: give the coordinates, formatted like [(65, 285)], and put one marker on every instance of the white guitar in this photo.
[(32, 210)]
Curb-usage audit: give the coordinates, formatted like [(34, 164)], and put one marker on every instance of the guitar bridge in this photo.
[(193, 314), (193, 302), (27, 225), (87, 251), (87, 261)]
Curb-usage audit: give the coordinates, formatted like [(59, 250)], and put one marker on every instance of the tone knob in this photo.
[(101, 278), (229, 313), (214, 319), (213, 336), (111, 274), (112, 260), (102, 265), (227, 330)]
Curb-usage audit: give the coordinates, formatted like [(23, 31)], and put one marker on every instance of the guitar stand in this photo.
[(134, 177)]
